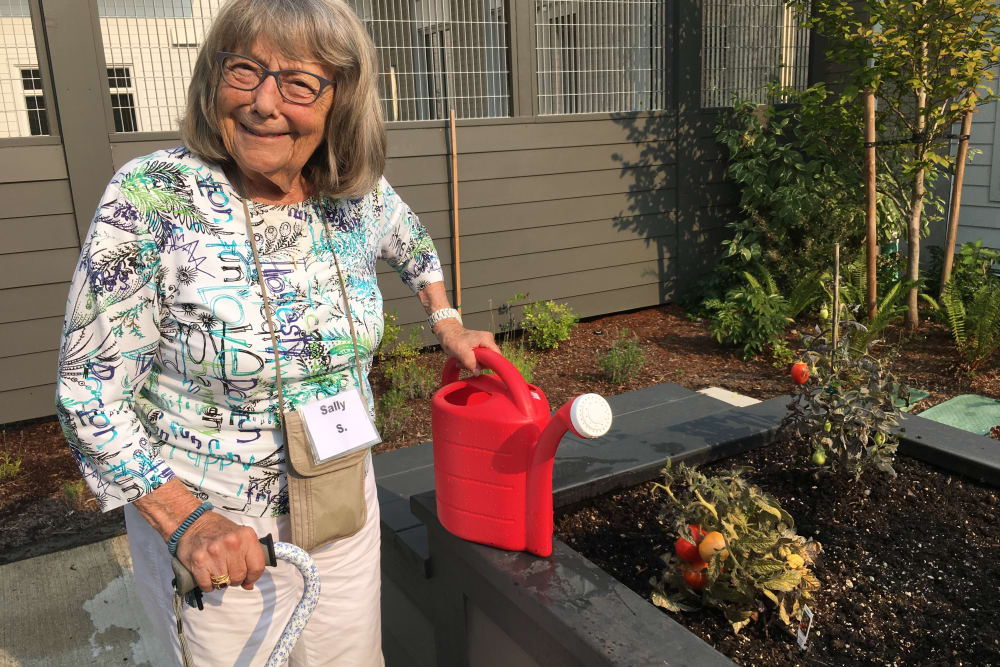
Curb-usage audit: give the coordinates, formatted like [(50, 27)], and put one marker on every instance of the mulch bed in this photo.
[(910, 575), (36, 515)]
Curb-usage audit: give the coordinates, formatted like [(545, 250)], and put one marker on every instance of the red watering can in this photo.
[(494, 443)]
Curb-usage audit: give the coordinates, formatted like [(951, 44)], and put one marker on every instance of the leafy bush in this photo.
[(546, 323), (522, 358), (411, 378), (765, 566), (845, 411), (749, 316), (392, 414), (623, 360), (75, 495), (394, 346), (9, 466), (975, 324)]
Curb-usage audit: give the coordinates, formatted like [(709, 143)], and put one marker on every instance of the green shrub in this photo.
[(845, 412), (523, 359), (9, 466), (410, 377), (750, 316), (392, 413), (765, 562), (546, 323), (394, 346), (623, 360), (975, 325), (75, 494)]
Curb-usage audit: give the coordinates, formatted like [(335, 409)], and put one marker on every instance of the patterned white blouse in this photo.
[(167, 368)]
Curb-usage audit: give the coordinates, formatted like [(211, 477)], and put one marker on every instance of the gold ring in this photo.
[(219, 582)]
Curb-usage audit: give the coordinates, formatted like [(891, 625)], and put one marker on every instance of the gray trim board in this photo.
[(994, 188)]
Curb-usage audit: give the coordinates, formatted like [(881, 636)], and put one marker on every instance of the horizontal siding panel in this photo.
[(540, 239), (528, 215), (539, 264), (989, 237), (45, 232), (28, 370), (987, 113), (979, 216), (506, 164), (122, 152), (977, 195), (557, 288), (30, 336), (978, 174), (34, 198), (497, 192), (981, 135), (404, 142), (37, 268), (21, 404), (32, 163), (28, 303)]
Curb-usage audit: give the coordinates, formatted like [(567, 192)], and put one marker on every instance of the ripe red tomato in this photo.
[(686, 551), (696, 532), (694, 575), (800, 372)]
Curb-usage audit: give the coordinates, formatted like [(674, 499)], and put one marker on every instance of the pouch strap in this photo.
[(267, 302)]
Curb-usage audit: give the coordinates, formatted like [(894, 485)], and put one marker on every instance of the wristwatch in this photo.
[(443, 314)]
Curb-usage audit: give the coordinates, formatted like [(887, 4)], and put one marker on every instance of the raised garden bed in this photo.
[(910, 574), (484, 604)]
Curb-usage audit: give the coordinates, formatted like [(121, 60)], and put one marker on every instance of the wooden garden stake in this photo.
[(956, 192), (454, 216), (871, 300), (836, 297)]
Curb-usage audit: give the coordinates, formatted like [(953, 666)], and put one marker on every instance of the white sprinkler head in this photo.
[(591, 415)]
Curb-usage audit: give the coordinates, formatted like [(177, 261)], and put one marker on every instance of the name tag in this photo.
[(338, 425)]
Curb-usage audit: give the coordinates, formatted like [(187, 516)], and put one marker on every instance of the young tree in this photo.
[(924, 58)]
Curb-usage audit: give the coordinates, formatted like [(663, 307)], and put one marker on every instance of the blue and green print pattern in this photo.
[(167, 368)]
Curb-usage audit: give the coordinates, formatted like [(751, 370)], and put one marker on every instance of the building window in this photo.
[(34, 100), (599, 56), (122, 100)]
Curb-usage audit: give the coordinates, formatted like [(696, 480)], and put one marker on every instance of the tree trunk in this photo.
[(917, 202), (956, 196)]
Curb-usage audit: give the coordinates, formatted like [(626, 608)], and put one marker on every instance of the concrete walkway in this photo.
[(72, 608)]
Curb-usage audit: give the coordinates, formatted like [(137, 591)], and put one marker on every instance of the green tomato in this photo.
[(819, 457), (827, 426), (824, 313), (880, 438)]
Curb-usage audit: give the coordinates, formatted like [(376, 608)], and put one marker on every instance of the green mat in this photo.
[(969, 412), (916, 395)]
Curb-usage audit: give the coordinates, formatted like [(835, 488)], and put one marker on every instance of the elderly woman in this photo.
[(226, 286)]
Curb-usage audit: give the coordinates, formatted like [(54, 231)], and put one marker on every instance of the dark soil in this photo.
[(910, 575), (39, 513)]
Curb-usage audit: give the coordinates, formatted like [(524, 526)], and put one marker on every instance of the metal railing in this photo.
[(601, 55), (747, 44)]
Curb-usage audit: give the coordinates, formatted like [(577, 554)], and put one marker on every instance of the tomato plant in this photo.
[(800, 372), (713, 543), (694, 575)]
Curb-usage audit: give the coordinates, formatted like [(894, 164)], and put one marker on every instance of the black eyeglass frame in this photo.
[(220, 57)]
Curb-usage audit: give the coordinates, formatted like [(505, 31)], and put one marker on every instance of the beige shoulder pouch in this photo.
[(326, 500)]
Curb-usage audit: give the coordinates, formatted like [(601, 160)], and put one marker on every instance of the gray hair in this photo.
[(351, 159)]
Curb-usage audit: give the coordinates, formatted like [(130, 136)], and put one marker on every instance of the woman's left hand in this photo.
[(458, 342)]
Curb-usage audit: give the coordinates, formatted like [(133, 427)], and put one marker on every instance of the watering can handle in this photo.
[(511, 377)]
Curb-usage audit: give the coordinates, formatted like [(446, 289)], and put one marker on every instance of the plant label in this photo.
[(805, 625)]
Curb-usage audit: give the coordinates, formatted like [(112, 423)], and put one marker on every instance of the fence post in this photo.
[(76, 56)]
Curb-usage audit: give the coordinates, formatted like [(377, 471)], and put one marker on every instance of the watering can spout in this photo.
[(588, 416)]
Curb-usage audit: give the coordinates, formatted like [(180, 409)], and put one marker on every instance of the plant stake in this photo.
[(956, 192), (836, 299), (872, 247)]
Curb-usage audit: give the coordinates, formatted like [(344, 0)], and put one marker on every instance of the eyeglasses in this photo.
[(295, 85)]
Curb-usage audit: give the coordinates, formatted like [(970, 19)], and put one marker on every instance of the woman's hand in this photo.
[(215, 546), (458, 342)]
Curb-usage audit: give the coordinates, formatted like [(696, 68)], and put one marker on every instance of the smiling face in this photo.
[(269, 138)]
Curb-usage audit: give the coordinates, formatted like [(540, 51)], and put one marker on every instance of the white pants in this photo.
[(239, 627)]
